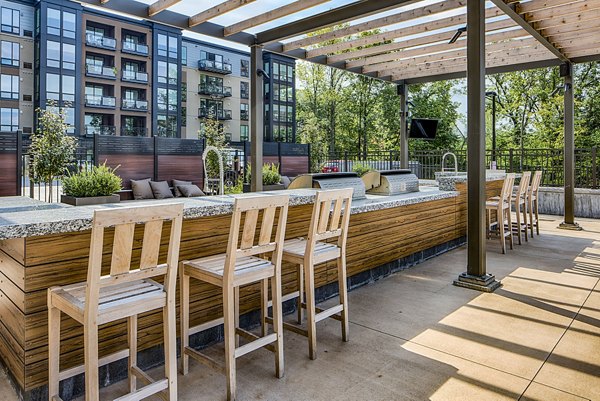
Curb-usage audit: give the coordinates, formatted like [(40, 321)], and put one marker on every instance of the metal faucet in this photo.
[(444, 162)]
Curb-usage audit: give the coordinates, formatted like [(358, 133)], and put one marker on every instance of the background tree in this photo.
[(52, 149)]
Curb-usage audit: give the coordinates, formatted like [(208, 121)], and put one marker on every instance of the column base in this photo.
[(570, 226), (485, 283)]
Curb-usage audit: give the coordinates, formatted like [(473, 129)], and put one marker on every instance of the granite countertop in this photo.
[(24, 217), (447, 181)]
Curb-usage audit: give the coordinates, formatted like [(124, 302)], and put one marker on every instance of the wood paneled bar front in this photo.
[(46, 245)]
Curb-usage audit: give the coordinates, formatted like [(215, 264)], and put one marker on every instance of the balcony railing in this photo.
[(244, 115), (134, 48), (93, 70), (105, 102), (100, 41), (214, 66), (205, 112), (214, 90), (135, 76), (100, 130), (134, 131), (135, 105)]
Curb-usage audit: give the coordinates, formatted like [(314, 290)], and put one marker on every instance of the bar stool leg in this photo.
[(185, 320), (229, 325), (525, 221), (537, 218), (531, 217), (132, 327), (170, 338), (510, 237), (278, 323), (236, 301), (264, 306), (309, 279), (341, 265), (500, 219), (518, 214), (90, 340), (53, 350), (300, 277)]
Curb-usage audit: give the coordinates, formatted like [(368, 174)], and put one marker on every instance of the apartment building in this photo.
[(119, 76), (16, 66)]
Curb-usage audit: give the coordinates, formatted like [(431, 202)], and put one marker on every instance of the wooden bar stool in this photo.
[(125, 293), (519, 200), (532, 202), (243, 264), (326, 224), (501, 206)]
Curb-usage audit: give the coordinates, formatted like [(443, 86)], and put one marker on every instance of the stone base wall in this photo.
[(587, 202)]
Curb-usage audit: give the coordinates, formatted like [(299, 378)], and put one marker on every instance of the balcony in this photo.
[(100, 41), (134, 131), (204, 112), (244, 115), (93, 70), (214, 66), (102, 102), (91, 130), (214, 90), (139, 49), (135, 76), (134, 105)]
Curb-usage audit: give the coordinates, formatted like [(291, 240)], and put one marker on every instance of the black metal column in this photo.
[(402, 89), (476, 276), (256, 117), (569, 150)]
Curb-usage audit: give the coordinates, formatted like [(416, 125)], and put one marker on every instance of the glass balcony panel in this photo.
[(103, 42), (100, 101), (135, 48)]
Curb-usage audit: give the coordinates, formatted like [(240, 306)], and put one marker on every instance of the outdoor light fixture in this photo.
[(459, 32), (262, 73), (557, 89)]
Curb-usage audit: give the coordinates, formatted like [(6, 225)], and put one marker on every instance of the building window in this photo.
[(184, 55), (184, 91), (53, 21), (11, 21), (68, 88), (244, 111), (167, 73), (9, 87), (68, 56), (69, 25), (9, 120), (53, 86), (244, 90), (53, 54), (9, 53), (245, 68), (244, 133), (167, 126), (184, 116), (162, 45), (167, 99), (173, 47)]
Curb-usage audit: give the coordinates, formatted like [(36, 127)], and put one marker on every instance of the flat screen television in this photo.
[(423, 128)]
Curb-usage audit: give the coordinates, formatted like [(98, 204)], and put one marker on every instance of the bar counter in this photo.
[(43, 245)]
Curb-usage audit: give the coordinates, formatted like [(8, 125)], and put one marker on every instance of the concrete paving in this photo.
[(415, 336)]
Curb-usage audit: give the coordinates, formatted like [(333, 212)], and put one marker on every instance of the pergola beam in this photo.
[(160, 5), (217, 10), (272, 15), (553, 13), (329, 18), (512, 13), (375, 23)]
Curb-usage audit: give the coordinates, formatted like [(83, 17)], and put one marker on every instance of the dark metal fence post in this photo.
[(96, 151), (510, 160), (308, 151), (279, 158), (594, 168), (19, 154), (391, 160), (346, 161), (155, 149)]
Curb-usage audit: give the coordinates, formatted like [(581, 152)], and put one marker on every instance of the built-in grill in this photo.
[(390, 182), (331, 181)]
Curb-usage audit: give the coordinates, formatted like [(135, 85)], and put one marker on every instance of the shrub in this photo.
[(237, 188), (92, 181), (361, 169), (270, 173)]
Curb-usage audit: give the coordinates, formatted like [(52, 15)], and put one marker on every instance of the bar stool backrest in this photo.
[(535, 183), (274, 210), (327, 223), (124, 221), (507, 188), (523, 186)]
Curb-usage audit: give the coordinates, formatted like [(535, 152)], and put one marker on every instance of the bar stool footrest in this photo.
[(205, 360), (256, 342), (144, 392), (147, 380), (79, 369), (331, 312)]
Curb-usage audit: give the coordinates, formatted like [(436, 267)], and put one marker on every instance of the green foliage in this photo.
[(212, 131), (270, 173), (52, 149), (92, 181), (361, 169), (238, 188)]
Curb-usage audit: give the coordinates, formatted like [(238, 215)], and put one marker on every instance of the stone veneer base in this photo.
[(154, 357)]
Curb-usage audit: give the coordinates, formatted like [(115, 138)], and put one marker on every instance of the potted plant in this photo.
[(93, 185), (271, 178)]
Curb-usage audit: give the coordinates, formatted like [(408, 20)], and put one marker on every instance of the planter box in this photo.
[(275, 187), (92, 200)]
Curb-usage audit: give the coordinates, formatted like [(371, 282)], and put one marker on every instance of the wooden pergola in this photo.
[(419, 41)]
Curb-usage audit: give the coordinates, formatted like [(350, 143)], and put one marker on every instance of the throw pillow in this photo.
[(190, 190), (161, 189), (177, 183), (141, 189)]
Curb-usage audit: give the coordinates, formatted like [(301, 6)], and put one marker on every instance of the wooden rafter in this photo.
[(554, 12), (160, 5), (397, 33), (217, 10), (375, 23), (288, 9), (423, 40), (535, 5), (567, 20)]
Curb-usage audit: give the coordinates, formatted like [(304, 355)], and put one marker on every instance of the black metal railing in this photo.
[(134, 48), (100, 41), (215, 66), (244, 115), (214, 90), (135, 105), (91, 130), (105, 102), (94, 70), (134, 131), (205, 112)]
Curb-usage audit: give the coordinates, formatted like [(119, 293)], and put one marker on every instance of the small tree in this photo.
[(214, 136), (52, 149)]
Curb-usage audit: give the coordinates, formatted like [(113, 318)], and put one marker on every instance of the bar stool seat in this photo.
[(115, 302), (247, 269), (295, 249)]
